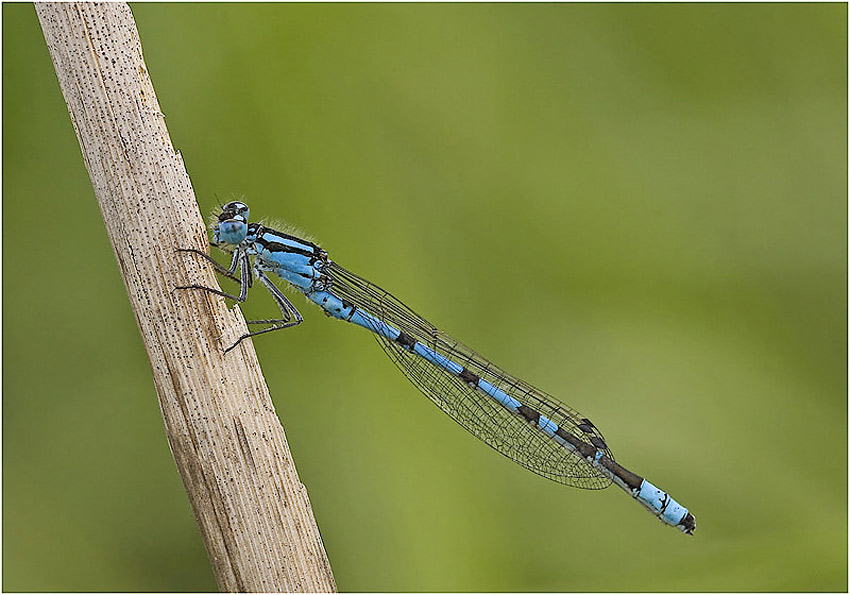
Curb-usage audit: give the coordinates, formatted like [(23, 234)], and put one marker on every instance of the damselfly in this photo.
[(518, 420)]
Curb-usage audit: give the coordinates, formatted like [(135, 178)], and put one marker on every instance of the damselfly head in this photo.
[(232, 226)]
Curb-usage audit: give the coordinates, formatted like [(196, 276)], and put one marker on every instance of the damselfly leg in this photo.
[(290, 314), (220, 268), (240, 261)]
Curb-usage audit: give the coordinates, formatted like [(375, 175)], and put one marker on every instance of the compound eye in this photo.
[(234, 210), (236, 206)]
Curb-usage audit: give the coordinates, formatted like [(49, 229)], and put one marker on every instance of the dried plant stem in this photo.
[(227, 441)]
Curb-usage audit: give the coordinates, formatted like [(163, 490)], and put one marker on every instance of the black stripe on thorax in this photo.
[(273, 246), (278, 247)]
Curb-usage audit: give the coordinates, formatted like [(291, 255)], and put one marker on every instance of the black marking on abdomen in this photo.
[(469, 377), (405, 341), (528, 413), (585, 449)]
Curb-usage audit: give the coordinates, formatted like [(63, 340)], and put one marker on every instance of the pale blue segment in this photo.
[(371, 323), (547, 425), (674, 514), (437, 359), (660, 502), (501, 396)]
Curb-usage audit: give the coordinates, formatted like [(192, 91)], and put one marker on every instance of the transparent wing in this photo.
[(509, 433)]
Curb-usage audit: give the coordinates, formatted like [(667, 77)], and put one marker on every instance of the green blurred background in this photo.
[(639, 208)]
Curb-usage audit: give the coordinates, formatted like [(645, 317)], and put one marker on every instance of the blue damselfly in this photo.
[(520, 421)]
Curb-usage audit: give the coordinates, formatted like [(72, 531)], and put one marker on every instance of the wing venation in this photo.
[(509, 433)]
